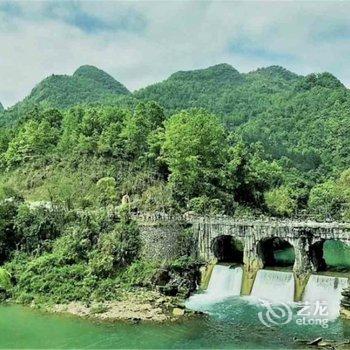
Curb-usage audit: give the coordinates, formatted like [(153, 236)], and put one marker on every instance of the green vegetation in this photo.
[(269, 140), (301, 118), (87, 85), (214, 142), (68, 255)]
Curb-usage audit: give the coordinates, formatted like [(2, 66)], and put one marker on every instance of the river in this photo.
[(232, 323)]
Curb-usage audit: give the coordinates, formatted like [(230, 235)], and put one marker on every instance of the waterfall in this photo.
[(327, 291), (274, 286), (224, 282)]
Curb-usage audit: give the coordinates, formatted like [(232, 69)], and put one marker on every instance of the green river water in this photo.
[(230, 323)]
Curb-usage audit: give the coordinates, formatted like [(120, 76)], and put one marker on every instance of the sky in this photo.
[(142, 42)]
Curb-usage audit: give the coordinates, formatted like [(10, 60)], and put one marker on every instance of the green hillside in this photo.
[(220, 89), (87, 85), (266, 143), (284, 140), (301, 118)]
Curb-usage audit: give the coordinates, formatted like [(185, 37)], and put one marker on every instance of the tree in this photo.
[(331, 199), (106, 189), (33, 140), (280, 201), (254, 173), (116, 248), (146, 118), (195, 150)]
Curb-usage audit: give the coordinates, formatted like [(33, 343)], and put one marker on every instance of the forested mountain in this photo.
[(87, 85), (301, 118), (215, 142), (284, 140), (308, 125), (1, 107), (220, 89)]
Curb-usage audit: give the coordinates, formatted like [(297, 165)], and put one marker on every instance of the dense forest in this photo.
[(283, 141), (212, 141)]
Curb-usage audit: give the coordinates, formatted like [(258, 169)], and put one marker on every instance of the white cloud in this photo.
[(143, 42)]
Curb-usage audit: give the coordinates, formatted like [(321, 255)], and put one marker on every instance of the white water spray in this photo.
[(274, 286), (327, 291), (224, 282)]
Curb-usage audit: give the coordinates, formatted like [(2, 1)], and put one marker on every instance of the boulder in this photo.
[(178, 312)]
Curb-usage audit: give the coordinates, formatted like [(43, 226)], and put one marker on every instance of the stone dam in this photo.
[(256, 238)]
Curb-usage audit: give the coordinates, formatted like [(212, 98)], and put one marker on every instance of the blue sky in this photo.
[(143, 42)]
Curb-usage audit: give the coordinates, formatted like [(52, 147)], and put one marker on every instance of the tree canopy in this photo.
[(208, 139)]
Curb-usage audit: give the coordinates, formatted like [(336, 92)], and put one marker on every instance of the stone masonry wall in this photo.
[(159, 240), (305, 237)]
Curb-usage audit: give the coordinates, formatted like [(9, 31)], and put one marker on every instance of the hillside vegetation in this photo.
[(87, 85), (212, 141), (266, 118)]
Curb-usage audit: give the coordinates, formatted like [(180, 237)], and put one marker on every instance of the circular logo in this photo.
[(275, 314)]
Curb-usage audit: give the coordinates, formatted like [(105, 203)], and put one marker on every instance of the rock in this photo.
[(345, 304), (178, 312), (315, 341), (161, 277), (125, 199), (345, 313), (324, 343), (135, 320)]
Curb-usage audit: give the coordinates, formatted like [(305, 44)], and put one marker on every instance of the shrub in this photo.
[(73, 246), (117, 248), (8, 235), (205, 205), (5, 280), (48, 278), (280, 201), (107, 193), (37, 227), (325, 201)]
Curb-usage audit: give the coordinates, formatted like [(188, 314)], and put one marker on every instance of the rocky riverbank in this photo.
[(135, 307), (345, 304)]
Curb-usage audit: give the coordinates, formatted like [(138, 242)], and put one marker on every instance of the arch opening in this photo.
[(276, 252), (336, 255), (316, 255), (226, 249)]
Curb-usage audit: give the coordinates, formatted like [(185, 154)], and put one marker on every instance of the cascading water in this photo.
[(326, 291), (274, 286), (224, 282)]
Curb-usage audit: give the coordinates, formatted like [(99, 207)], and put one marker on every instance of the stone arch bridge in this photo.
[(306, 237)]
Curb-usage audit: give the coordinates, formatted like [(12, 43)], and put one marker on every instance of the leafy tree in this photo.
[(195, 150), (106, 188), (331, 199), (8, 236), (37, 228), (116, 248), (33, 140), (254, 173), (280, 201), (146, 118)]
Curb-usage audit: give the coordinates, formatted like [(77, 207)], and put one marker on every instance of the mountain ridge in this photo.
[(218, 71), (220, 88)]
